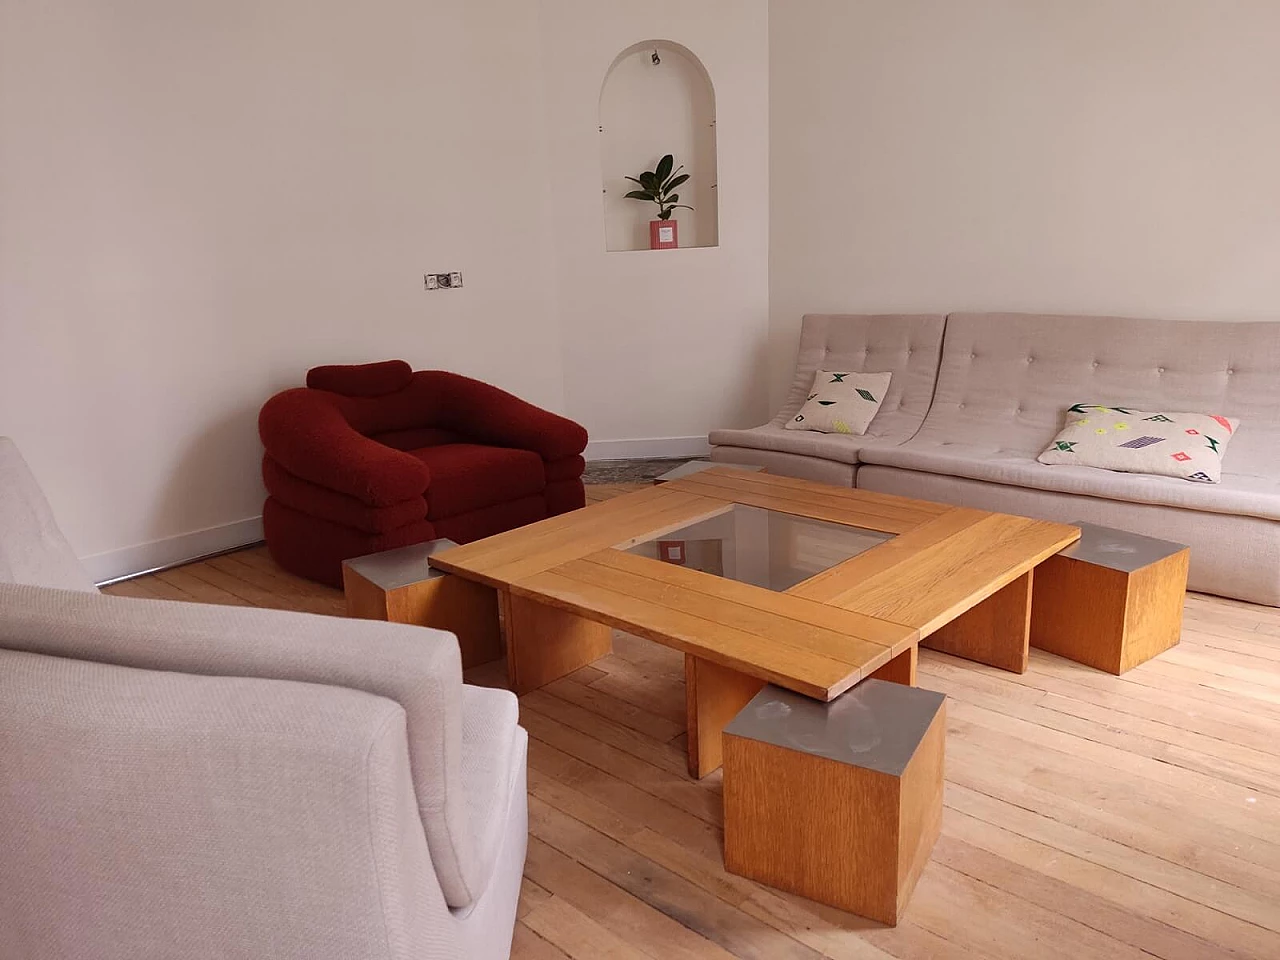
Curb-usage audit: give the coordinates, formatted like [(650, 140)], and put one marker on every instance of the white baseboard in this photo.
[(158, 554), (648, 448)]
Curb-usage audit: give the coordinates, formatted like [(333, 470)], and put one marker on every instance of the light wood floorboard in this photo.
[(1087, 816)]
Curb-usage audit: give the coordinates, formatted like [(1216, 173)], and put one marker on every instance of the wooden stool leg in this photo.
[(996, 632), (714, 695), (545, 643), (901, 669), (466, 609)]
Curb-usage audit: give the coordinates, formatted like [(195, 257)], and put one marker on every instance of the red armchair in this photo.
[(367, 458)]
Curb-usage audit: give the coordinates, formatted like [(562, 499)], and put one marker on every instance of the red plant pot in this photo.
[(663, 235)]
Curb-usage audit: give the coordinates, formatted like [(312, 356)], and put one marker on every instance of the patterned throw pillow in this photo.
[(1186, 445), (842, 402)]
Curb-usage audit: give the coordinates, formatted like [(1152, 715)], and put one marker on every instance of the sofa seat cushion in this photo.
[(415, 438), (842, 448), (841, 402), (1247, 494), (1153, 442), (468, 476)]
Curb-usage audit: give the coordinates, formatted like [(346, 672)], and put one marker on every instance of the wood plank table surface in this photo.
[(960, 577)]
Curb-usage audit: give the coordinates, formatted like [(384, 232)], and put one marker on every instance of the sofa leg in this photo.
[(545, 643), (996, 632)]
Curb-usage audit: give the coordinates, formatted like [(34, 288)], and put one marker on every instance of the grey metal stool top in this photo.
[(1118, 549), (877, 725), (392, 569)]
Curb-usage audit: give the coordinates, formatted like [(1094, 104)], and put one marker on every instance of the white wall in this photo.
[(661, 343), (198, 201), (202, 200), (1093, 156)]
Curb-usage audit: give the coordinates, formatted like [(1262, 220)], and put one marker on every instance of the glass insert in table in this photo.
[(766, 548)]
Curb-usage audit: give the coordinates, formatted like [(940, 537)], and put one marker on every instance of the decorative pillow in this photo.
[(1185, 445), (842, 402)]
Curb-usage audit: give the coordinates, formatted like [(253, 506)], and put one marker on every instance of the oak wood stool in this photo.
[(398, 586), (840, 802), (1112, 600)]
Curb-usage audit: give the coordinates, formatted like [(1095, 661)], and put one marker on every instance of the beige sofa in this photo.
[(182, 780), (997, 395)]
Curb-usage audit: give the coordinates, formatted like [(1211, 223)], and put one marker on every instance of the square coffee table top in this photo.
[(818, 637)]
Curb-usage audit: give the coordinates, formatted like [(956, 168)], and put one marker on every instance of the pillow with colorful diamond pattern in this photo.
[(842, 402), (1185, 445)]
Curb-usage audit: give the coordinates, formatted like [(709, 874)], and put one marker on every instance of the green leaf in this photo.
[(682, 206), (664, 167), (639, 195), (673, 198), (634, 180), (675, 182), (648, 180)]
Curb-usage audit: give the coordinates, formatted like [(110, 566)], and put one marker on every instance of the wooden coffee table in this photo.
[(807, 586)]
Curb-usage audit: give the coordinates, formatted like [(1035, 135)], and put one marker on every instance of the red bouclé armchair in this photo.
[(370, 457)]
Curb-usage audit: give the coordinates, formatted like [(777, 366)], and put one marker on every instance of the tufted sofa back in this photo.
[(1008, 378), (906, 345)]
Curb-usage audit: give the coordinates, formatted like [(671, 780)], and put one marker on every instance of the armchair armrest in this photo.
[(417, 667), (485, 413), (308, 436)]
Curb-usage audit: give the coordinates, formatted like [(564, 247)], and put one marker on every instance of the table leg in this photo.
[(901, 669), (545, 643), (996, 632), (714, 695)]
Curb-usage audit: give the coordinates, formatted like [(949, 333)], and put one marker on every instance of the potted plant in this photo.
[(656, 187)]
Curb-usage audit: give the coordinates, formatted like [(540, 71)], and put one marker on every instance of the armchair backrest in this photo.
[(411, 669)]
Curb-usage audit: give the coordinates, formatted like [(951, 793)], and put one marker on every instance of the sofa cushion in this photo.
[(841, 402), (1251, 495), (905, 345), (1184, 445), (468, 476), (774, 437), (415, 437)]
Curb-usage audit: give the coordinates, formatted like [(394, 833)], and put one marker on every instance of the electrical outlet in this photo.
[(442, 281)]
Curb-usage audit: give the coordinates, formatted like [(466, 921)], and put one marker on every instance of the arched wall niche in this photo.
[(647, 110)]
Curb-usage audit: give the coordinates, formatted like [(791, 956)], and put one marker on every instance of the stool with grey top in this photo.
[(399, 586), (1111, 600), (840, 802)]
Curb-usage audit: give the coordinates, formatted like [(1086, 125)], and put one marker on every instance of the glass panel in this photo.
[(761, 547)]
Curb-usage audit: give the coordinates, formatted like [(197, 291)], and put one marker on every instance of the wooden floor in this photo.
[(1087, 816)]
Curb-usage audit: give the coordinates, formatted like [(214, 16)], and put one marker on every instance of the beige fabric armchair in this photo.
[(183, 780)]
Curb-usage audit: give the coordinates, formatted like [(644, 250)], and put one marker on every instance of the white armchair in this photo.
[(198, 781)]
